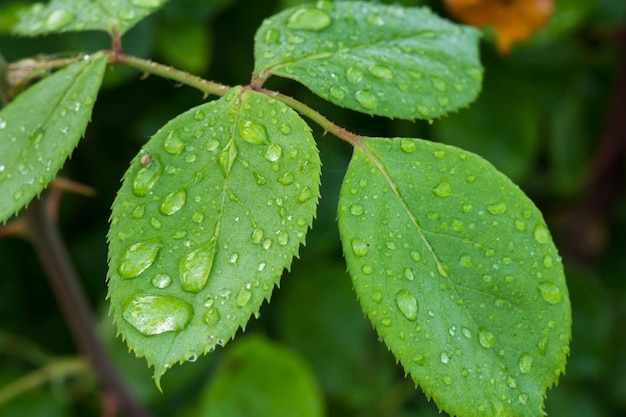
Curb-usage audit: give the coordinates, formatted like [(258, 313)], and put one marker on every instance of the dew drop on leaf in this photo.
[(257, 235), (305, 195), (309, 18), (286, 179), (356, 209), (271, 36), (173, 202), (486, 338), (196, 266), (273, 152), (161, 281), (367, 99), (253, 132), (243, 297), (408, 145), (359, 247), (380, 71), (526, 363), (211, 316), (155, 314), (442, 189), (541, 233), (59, 19), (147, 176), (497, 208), (138, 257), (354, 75), (407, 304), (550, 292), (173, 144)]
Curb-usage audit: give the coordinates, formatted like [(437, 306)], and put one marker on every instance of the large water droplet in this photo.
[(380, 71), (526, 363), (354, 75), (271, 36), (139, 257), (486, 338), (173, 143), (157, 314), (253, 132), (243, 297), (173, 202), (367, 99), (195, 268), (309, 18), (286, 179), (442, 189), (497, 208), (550, 292), (227, 158), (356, 209), (273, 152), (147, 176), (359, 247), (408, 145), (58, 19), (407, 303), (305, 195), (541, 233), (257, 235)]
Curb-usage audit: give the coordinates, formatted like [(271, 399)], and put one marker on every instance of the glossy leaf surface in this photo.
[(457, 271), (80, 15), (377, 59), (40, 129), (210, 213), (287, 389)]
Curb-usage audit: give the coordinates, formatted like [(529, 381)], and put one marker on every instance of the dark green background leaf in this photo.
[(457, 271), (385, 60), (40, 129), (210, 213)]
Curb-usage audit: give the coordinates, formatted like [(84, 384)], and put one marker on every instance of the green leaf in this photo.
[(457, 271), (41, 127), (81, 15), (210, 213), (377, 59), (258, 378)]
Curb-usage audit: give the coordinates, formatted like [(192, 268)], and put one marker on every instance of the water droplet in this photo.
[(243, 297), (457, 224), (409, 274), (305, 195), (497, 208), (541, 233), (198, 115), (442, 189), (283, 238), (273, 152), (195, 268), (419, 360), (147, 176), (161, 281), (337, 92), (227, 159), (173, 202), (156, 314), (416, 256), (257, 235), (380, 71), (465, 260), (359, 247), (309, 18), (212, 145), (408, 145), (542, 345), (445, 358), (197, 217), (267, 243), (471, 179), (486, 338), (354, 75), (58, 19), (286, 179), (155, 223), (271, 36), (173, 144), (407, 303), (447, 380), (253, 132), (526, 363), (356, 209), (285, 129), (138, 212), (37, 135), (139, 257), (367, 269), (367, 99), (438, 83), (211, 316), (466, 332), (386, 322), (550, 292)]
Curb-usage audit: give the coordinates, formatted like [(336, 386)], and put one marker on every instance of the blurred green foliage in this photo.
[(544, 119)]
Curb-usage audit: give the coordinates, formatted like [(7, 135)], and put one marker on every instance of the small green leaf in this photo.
[(258, 378), (81, 15), (210, 213), (377, 59), (457, 271), (41, 127)]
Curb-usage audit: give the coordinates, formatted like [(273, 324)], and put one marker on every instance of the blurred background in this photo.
[(552, 116)]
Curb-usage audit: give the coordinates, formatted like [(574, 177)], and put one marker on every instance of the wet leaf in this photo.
[(210, 213), (456, 269), (377, 59), (40, 129), (287, 389), (81, 15)]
